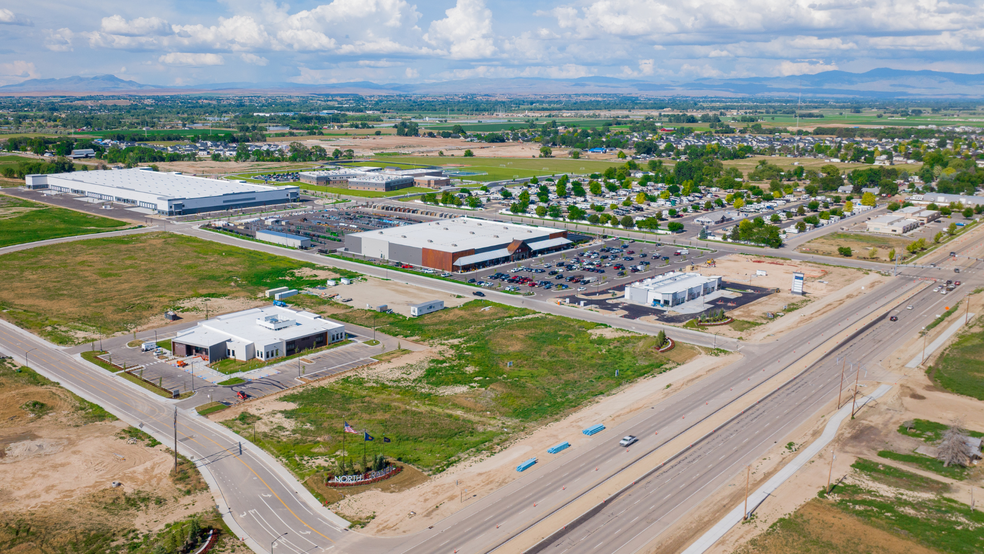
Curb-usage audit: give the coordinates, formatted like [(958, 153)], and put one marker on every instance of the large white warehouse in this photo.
[(165, 193)]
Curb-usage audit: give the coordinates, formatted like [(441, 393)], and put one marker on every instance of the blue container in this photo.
[(562, 446), (594, 429), (526, 465)]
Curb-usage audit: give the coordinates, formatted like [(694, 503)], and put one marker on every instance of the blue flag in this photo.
[(386, 439), (367, 436)]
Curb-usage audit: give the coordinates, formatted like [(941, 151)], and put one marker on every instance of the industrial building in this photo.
[(285, 239), (264, 333), (375, 178), (942, 199), (892, 225), (460, 244), (671, 289), (164, 193)]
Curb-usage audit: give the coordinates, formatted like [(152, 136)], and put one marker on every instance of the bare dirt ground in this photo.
[(439, 497), (54, 464), (396, 295), (826, 288)]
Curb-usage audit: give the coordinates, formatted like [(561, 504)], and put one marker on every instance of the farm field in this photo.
[(494, 371), (363, 193), (23, 221), (495, 126), (877, 508), (130, 281), (860, 245)]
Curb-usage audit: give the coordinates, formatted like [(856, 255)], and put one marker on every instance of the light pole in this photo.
[(276, 539), (27, 361)]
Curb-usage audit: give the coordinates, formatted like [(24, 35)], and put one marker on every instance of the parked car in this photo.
[(478, 293)]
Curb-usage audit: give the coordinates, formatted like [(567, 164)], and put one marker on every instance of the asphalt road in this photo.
[(266, 501)]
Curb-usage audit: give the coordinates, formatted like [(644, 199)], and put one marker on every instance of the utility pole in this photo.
[(748, 476), (841, 388), (831, 470), (175, 441), (854, 401), (967, 312), (925, 334)]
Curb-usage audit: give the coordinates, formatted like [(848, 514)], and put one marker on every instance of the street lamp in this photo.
[(27, 361), (276, 539)]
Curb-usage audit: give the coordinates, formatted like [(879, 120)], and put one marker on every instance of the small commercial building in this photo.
[(417, 310), (432, 181), (671, 289), (919, 214), (264, 333), (285, 239), (82, 153), (892, 225)]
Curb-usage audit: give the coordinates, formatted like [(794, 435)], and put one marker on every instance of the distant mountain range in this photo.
[(877, 83)]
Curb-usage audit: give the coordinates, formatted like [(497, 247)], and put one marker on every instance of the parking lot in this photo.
[(598, 266)]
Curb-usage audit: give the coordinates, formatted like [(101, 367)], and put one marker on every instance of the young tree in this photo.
[(873, 253), (868, 199), (952, 229), (541, 211), (739, 203), (660, 339), (641, 198), (848, 207), (469, 154), (844, 251)]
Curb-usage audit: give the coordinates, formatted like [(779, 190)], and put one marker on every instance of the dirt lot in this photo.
[(431, 500), (58, 465), (394, 294), (826, 288)]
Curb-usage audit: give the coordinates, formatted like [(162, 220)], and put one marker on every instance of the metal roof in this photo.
[(549, 243), (163, 185), (483, 257), (458, 234)]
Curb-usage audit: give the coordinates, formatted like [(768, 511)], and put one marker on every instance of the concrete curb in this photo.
[(765, 491), (936, 344)]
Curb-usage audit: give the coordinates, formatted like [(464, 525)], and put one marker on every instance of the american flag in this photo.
[(349, 429)]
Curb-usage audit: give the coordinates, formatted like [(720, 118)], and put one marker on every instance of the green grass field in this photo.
[(72, 293), (517, 125), (961, 367), (23, 221), (505, 370), (497, 169), (926, 463)]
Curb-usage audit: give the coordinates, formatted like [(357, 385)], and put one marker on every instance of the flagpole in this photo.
[(343, 449)]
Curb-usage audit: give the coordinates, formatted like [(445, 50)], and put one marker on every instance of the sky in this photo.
[(182, 42)]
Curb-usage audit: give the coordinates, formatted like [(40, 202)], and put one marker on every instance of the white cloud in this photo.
[(412, 73), (808, 67), (139, 27), (720, 54), (352, 27), (191, 59), (466, 31), (17, 71), (58, 41), (237, 33), (305, 39), (8, 17), (253, 59)]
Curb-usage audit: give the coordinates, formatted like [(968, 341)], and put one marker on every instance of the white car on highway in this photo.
[(628, 440)]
